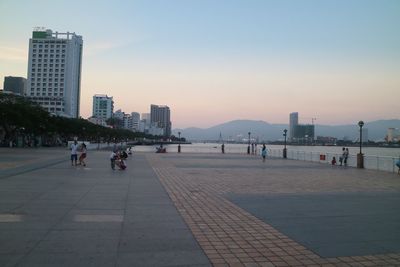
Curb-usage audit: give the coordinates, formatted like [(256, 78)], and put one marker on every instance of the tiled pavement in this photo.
[(52, 214), (200, 186)]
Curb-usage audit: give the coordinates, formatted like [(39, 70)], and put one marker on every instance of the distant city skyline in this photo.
[(217, 61)]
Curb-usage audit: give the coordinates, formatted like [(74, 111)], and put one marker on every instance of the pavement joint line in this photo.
[(202, 204), (8, 217), (17, 171)]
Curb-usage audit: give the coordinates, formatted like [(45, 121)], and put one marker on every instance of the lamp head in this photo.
[(361, 124)]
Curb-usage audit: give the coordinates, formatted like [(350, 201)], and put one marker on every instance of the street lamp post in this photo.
[(248, 147), (179, 145), (284, 149), (360, 156)]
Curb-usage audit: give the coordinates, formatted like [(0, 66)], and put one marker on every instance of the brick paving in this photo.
[(229, 235)]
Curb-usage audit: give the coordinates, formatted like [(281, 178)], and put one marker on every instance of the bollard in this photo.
[(360, 161)]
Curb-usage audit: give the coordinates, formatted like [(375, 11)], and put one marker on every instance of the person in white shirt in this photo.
[(74, 153)]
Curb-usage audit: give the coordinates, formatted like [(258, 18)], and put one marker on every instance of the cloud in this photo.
[(13, 53), (92, 49)]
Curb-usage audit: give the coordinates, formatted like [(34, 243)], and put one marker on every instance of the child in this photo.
[(83, 155), (334, 161), (120, 161)]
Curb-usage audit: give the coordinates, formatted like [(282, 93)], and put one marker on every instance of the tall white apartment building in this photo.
[(54, 71), (103, 106)]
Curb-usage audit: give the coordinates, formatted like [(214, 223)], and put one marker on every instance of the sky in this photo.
[(212, 61)]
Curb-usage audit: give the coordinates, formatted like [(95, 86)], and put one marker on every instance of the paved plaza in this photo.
[(194, 210)]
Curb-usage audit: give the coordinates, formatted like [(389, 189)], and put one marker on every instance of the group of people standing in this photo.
[(343, 159), (75, 148)]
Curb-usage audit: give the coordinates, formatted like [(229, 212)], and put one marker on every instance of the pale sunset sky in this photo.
[(212, 61)]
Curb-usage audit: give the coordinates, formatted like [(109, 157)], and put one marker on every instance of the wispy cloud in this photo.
[(13, 53), (95, 48)]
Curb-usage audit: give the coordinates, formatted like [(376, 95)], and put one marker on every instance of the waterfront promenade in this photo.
[(194, 210)]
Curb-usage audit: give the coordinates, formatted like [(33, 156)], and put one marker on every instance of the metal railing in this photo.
[(372, 162)]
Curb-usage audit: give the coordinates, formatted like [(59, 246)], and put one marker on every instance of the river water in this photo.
[(242, 148)]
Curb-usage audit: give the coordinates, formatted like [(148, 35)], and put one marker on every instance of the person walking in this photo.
[(74, 153), (83, 154), (341, 158), (264, 152), (223, 148), (346, 156)]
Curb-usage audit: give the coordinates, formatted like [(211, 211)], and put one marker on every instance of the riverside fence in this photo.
[(373, 162)]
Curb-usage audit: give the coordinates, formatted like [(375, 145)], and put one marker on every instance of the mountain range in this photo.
[(238, 129)]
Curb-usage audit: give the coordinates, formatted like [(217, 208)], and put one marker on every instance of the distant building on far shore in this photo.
[(293, 122), (15, 85), (300, 133), (161, 116), (393, 135)]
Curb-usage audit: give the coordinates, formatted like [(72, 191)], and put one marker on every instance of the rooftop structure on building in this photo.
[(54, 71)]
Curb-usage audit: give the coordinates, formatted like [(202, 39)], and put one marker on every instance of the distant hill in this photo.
[(239, 129)]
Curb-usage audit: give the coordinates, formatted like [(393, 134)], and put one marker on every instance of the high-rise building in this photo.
[(16, 85), (293, 122), (54, 71), (103, 106), (160, 115)]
